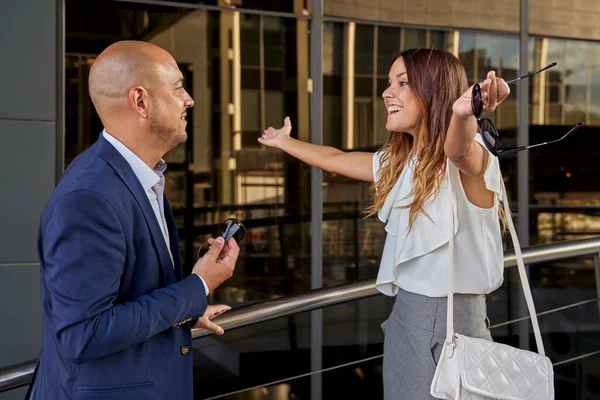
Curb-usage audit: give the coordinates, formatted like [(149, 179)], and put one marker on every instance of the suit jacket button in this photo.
[(185, 349)]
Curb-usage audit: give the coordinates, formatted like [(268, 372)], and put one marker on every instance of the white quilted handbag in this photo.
[(477, 369)]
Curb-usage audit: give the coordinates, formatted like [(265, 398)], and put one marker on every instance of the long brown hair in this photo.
[(437, 79)]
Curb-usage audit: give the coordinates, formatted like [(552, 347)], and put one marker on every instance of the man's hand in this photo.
[(217, 265), (205, 321)]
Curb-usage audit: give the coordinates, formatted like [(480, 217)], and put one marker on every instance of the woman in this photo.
[(433, 152)]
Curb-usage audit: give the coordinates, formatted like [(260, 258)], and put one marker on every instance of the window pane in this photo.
[(380, 134), (250, 40), (363, 87), (554, 94), (275, 34), (574, 114), (467, 53), (595, 117), (510, 59), (388, 44), (596, 73), (507, 114), (488, 54), (553, 114), (251, 106), (414, 38), (363, 122), (576, 58), (555, 54), (438, 40), (364, 49), (333, 42), (595, 94), (332, 120), (575, 93)]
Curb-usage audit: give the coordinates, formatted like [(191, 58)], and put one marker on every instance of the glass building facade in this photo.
[(250, 63)]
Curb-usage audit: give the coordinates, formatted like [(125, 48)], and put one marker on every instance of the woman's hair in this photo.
[(437, 79)]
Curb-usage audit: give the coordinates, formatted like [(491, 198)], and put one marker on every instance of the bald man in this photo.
[(117, 311)]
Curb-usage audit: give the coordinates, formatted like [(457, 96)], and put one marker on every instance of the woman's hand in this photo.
[(275, 137), (493, 91)]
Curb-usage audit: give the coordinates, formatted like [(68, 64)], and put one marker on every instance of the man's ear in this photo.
[(139, 101)]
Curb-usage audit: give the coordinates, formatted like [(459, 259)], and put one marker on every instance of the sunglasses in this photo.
[(488, 131)]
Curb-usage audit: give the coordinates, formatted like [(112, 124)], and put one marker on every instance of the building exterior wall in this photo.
[(558, 18), (27, 168)]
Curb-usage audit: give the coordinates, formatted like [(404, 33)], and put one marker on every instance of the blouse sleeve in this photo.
[(376, 165)]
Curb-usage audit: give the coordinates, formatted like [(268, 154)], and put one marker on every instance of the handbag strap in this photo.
[(520, 265)]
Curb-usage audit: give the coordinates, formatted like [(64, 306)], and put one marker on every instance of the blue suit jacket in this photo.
[(110, 294)]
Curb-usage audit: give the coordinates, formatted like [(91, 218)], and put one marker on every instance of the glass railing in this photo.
[(272, 360)]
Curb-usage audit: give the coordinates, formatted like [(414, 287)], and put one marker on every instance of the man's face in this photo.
[(170, 102)]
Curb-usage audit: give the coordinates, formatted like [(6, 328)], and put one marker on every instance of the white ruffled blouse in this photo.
[(417, 260)]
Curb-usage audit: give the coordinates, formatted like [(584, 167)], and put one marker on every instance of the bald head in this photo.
[(138, 91), (122, 66)]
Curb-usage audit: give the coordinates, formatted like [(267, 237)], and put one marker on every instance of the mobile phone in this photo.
[(232, 228)]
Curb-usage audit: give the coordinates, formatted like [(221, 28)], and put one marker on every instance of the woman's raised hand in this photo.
[(493, 91), (275, 137)]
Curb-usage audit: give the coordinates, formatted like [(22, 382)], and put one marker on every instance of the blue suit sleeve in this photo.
[(84, 256)]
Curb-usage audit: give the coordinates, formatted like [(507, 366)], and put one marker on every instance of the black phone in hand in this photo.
[(232, 228)]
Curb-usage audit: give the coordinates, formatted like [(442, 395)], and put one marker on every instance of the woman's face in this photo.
[(403, 111)]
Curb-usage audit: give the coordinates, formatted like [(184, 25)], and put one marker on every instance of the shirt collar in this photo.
[(146, 175)]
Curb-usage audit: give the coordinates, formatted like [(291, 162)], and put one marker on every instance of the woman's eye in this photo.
[(403, 83)]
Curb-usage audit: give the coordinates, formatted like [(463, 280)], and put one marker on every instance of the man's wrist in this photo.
[(203, 282)]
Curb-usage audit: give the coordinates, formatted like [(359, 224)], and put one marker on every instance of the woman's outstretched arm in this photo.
[(355, 165)]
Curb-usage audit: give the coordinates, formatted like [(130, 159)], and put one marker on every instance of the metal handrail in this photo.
[(20, 374), (16, 375), (345, 292)]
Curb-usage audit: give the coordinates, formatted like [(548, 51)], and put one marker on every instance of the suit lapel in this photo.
[(174, 239), (113, 157)]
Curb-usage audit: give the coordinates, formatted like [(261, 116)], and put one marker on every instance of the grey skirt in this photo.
[(414, 336)]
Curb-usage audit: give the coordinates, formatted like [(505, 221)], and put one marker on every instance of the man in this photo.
[(117, 312)]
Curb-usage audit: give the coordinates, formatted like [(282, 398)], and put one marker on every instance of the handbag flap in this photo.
[(503, 372)]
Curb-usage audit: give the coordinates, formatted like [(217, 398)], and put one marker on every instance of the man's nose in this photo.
[(189, 102)]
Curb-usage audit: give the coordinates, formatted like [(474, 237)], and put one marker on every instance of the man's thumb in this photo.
[(216, 247)]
